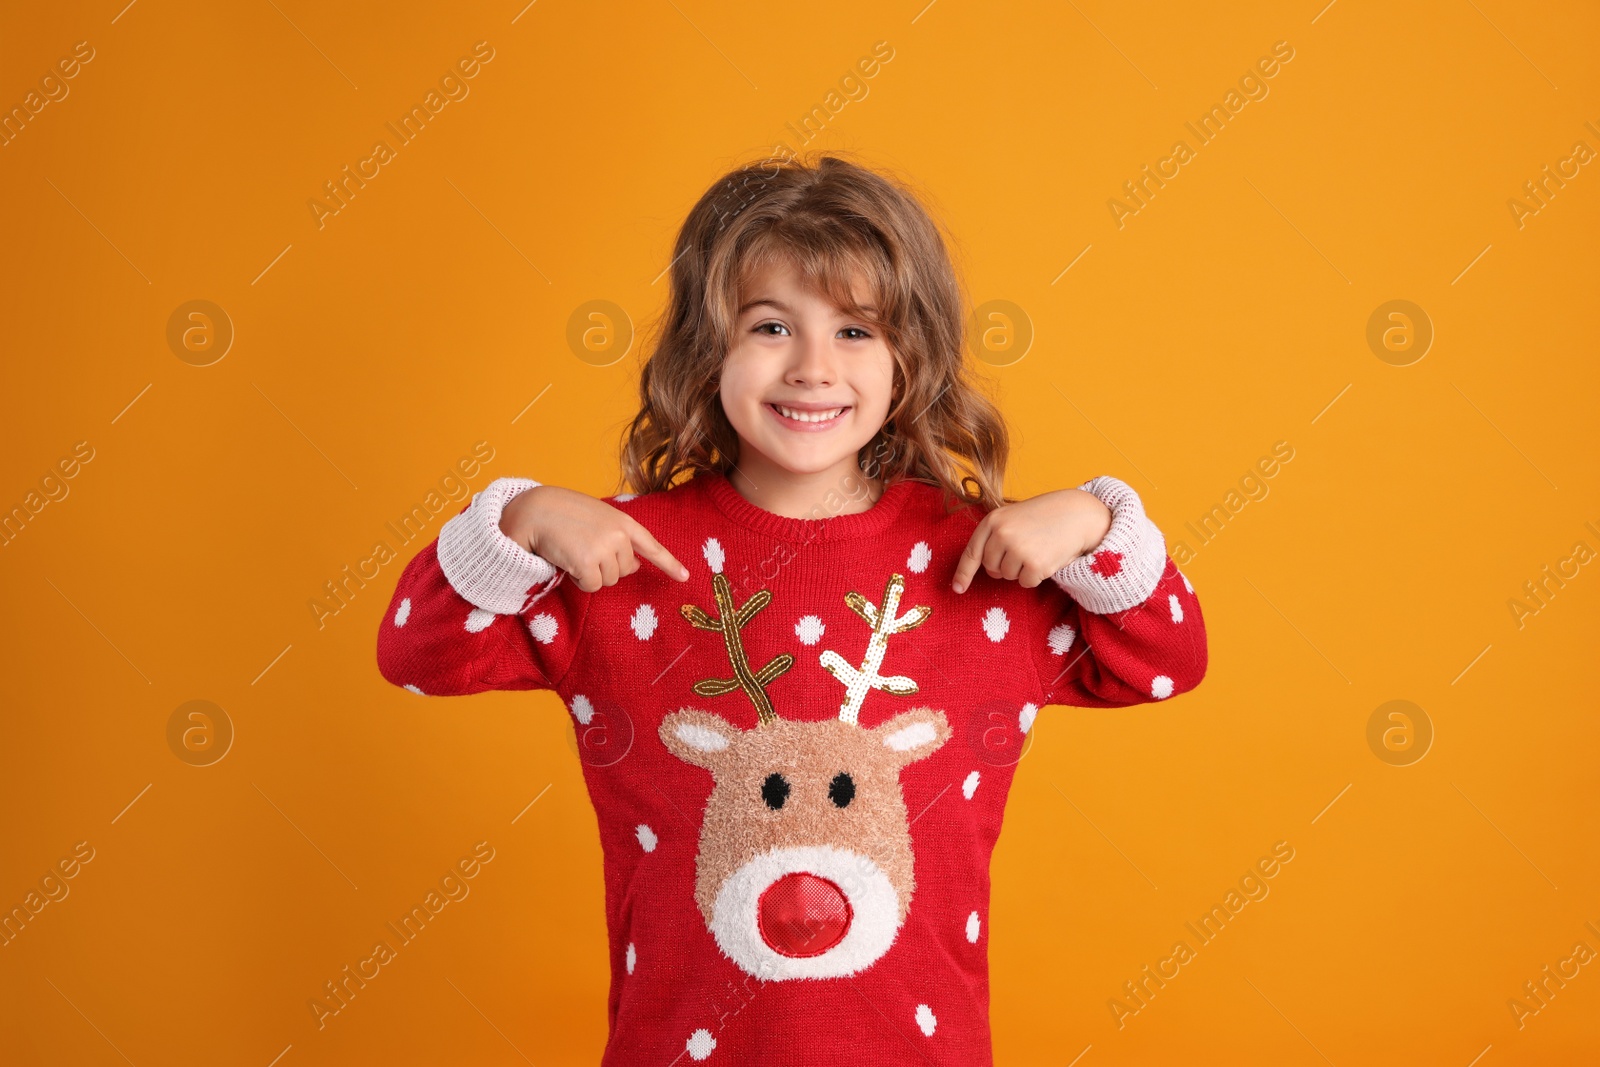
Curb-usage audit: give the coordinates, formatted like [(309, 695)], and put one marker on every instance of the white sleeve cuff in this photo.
[(486, 567), (1122, 571)]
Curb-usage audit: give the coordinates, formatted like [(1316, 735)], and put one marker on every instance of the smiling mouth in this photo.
[(800, 419)]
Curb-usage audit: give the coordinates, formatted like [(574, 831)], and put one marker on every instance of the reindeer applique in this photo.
[(804, 868)]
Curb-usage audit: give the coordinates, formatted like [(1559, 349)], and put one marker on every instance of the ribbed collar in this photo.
[(854, 525)]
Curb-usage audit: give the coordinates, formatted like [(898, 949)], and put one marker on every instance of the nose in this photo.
[(803, 915), (813, 363)]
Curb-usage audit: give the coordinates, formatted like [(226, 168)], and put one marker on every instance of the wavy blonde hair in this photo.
[(836, 222)]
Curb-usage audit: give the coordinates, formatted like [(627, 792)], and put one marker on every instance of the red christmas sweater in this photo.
[(799, 758)]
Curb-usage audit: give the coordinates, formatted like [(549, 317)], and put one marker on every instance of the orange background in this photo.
[(371, 354)]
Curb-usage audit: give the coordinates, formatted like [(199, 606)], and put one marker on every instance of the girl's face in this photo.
[(805, 385)]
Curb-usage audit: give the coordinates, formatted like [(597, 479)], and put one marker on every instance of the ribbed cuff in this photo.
[(486, 567), (1124, 568)]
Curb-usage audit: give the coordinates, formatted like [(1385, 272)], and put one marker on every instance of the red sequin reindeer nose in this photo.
[(803, 915)]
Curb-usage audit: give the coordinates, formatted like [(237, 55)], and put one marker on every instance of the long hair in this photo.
[(836, 221)]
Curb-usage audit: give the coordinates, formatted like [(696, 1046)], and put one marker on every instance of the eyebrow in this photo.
[(787, 310)]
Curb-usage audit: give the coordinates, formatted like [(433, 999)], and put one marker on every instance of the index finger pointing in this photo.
[(971, 558), (645, 544)]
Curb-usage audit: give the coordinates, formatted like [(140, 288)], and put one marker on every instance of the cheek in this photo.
[(736, 383), (741, 388), (876, 382)]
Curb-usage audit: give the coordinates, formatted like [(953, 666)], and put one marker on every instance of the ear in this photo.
[(913, 734), (698, 737)]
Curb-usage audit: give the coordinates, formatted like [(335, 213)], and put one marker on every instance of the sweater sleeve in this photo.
[(474, 610), (1120, 624)]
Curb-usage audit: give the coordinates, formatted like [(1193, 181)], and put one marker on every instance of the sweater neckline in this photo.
[(827, 528)]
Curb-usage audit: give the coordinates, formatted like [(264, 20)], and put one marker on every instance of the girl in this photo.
[(798, 726)]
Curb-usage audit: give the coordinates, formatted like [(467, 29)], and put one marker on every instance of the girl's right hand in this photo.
[(588, 538)]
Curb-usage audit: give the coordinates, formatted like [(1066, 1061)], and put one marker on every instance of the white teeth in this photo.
[(808, 416)]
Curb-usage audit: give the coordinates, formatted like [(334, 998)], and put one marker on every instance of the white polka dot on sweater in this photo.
[(479, 620), (647, 837), (700, 1044), (1186, 584), (582, 710), (543, 627), (643, 621), (970, 786), (1026, 716), (415, 690), (1161, 687), (920, 555), (1061, 638), (403, 612), (996, 624), (808, 629), (925, 1020), (633, 957), (624, 497), (973, 926), (1177, 608), (712, 551)]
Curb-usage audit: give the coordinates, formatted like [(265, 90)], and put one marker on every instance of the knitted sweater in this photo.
[(799, 758)]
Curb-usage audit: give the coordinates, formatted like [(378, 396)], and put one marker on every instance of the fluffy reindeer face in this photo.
[(804, 868)]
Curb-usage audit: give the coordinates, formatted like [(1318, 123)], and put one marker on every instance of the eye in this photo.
[(775, 790), (864, 334), (842, 790), (764, 325)]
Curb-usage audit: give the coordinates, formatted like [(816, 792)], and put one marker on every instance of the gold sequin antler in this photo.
[(885, 624), (730, 621)]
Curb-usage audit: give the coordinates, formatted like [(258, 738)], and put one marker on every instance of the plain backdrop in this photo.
[(1173, 346)]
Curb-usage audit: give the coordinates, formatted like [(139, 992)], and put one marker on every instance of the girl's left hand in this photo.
[(1032, 539)]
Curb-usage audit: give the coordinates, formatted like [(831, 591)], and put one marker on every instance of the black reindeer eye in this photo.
[(842, 790), (775, 790)]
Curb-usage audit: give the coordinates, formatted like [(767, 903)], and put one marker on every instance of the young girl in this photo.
[(798, 726)]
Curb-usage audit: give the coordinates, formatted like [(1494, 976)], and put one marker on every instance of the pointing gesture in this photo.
[(1032, 539), (586, 537)]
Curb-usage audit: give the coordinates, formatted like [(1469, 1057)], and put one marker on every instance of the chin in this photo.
[(810, 463)]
